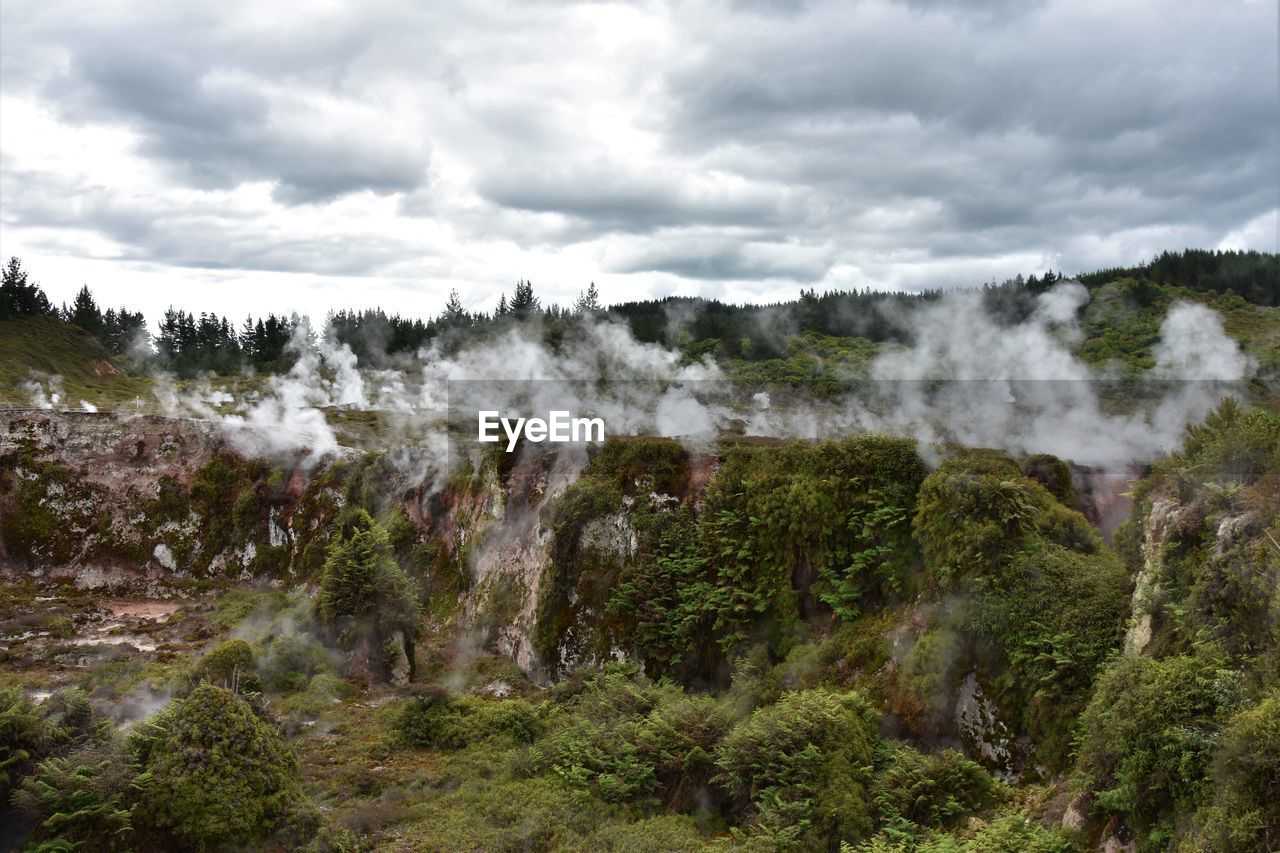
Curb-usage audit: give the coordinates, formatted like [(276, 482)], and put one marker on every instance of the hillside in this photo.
[(39, 348), (1000, 580), (782, 645)]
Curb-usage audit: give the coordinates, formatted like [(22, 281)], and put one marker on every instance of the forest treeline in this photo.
[(187, 343)]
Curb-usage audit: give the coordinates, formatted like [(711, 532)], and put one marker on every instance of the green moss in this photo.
[(225, 497), (49, 512)]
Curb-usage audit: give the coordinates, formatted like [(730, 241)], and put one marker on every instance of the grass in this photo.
[(39, 347)]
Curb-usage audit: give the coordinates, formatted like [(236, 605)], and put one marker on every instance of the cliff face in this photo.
[(76, 488), (160, 507)]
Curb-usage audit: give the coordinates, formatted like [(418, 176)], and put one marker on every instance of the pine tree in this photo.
[(589, 302), (20, 297), (524, 303), (454, 313), (84, 312)]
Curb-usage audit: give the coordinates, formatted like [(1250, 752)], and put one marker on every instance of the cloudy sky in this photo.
[(265, 156)]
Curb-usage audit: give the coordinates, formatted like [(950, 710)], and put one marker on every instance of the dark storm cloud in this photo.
[(606, 197), (1070, 117), (714, 259)]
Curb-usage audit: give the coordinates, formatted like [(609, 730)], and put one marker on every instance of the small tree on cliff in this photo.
[(366, 599)]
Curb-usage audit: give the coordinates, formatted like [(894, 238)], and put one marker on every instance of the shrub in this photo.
[(1053, 616), (23, 733), (668, 833), (60, 627), (913, 791), (214, 773), (623, 738), (1018, 832), (291, 660), (1148, 735), (974, 510), (523, 814), (230, 664), (977, 510), (1233, 444), (1052, 473), (928, 674), (678, 740), (440, 721), (1244, 813), (658, 464), (81, 799), (800, 769), (827, 524)]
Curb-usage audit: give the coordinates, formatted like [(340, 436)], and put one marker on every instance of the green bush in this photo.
[(660, 604), (1052, 473), (1053, 617), (230, 664), (974, 510), (1233, 444), (1149, 734), (292, 660), (826, 522), (1244, 812), (509, 815), (440, 721), (978, 509), (913, 791), (23, 734), (214, 774), (678, 739), (800, 770), (661, 834), (929, 673), (60, 627), (657, 464), (83, 799)]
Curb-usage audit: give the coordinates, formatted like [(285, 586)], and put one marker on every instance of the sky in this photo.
[(246, 157)]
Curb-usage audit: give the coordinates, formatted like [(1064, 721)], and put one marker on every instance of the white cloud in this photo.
[(244, 157)]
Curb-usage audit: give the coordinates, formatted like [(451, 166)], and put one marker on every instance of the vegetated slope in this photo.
[(38, 348), (1122, 321), (780, 645)]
